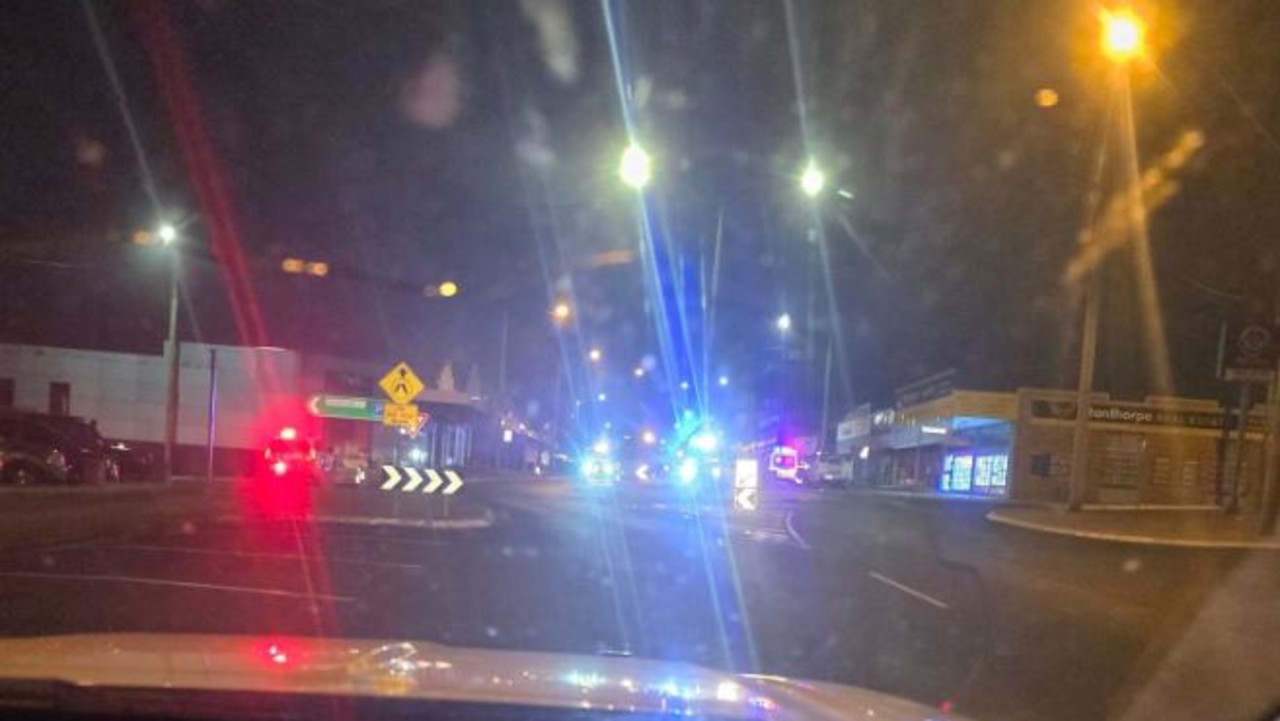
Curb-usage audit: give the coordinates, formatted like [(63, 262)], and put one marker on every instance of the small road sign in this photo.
[(401, 384), (404, 415), (410, 480), (1250, 356), (746, 484)]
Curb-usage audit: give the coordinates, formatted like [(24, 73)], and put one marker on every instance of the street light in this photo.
[(1122, 40), (638, 372), (635, 169), (167, 234), (1122, 35), (784, 323), (561, 312), (595, 355), (448, 289), (812, 180), (723, 381)]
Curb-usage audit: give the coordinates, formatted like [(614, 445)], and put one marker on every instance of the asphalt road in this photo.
[(923, 599)]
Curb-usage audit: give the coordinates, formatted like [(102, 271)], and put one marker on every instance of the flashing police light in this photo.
[(687, 471), (705, 442)]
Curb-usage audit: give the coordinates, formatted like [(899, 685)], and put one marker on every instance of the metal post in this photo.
[(172, 356), (826, 398), (1224, 440), (1078, 485), (502, 356), (1242, 427), (1269, 508), (212, 415)]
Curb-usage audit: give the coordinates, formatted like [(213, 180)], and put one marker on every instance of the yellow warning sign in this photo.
[(401, 384), (404, 415)]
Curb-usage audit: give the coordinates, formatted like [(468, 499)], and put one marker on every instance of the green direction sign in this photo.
[(346, 407)]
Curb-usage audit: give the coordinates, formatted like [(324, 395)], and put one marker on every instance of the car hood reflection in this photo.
[(428, 671)]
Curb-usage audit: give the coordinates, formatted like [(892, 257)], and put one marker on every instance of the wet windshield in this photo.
[(920, 347)]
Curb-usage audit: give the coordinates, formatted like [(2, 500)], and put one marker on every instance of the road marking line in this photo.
[(791, 531), (253, 554), (918, 595), (143, 581), (435, 523)]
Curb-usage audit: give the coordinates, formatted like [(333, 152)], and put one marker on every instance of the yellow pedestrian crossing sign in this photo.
[(401, 384)]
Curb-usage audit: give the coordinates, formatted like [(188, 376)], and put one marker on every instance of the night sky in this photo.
[(407, 143)]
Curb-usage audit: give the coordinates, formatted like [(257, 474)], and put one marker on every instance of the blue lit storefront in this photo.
[(976, 459), (941, 440)]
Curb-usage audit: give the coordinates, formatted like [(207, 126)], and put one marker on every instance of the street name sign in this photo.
[(346, 408)]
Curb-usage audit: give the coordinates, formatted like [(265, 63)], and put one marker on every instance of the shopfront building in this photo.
[(1155, 452)]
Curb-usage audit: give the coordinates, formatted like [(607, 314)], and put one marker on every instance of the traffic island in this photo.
[(1154, 526), (367, 506)]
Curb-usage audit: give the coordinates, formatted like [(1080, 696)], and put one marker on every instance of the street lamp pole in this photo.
[(1122, 41), (171, 350), (1084, 390)]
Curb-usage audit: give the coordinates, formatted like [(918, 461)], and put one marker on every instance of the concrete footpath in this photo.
[(1174, 527)]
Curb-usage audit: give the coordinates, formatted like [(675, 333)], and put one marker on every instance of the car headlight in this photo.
[(687, 471)]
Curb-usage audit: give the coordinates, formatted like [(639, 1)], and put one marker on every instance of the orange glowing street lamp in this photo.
[(1123, 35)]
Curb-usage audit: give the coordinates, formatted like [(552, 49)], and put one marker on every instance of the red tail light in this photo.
[(279, 468)]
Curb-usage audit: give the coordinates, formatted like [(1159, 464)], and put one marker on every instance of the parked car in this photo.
[(132, 462), (135, 462), (38, 448), (833, 470)]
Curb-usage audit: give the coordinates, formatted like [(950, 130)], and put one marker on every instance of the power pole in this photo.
[(1078, 485), (826, 396), (502, 354)]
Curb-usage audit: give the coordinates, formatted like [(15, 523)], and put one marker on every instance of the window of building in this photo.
[(960, 477), (6, 392), (59, 399)]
